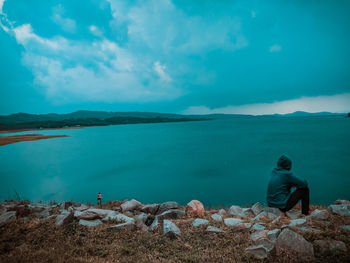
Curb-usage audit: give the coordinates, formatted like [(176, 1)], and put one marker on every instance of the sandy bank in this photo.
[(44, 129), (4, 140)]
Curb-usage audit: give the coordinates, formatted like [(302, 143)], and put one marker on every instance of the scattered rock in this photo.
[(342, 202), (309, 229), (214, 229), (195, 208), (268, 244), (167, 206), (256, 208), (7, 216), (216, 217), (154, 225), (259, 251), (150, 209), (326, 245), (90, 223), (293, 214), (343, 209), (319, 214), (239, 211), (131, 205), (259, 216), (141, 218), (346, 227), (118, 217), (127, 225), (199, 221), (65, 205), (171, 214), (64, 219), (170, 229), (273, 234), (232, 221), (276, 220), (82, 207), (273, 210), (297, 222), (258, 226), (293, 243), (222, 212), (86, 215), (258, 235)]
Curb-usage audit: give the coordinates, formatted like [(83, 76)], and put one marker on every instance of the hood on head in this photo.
[(284, 162)]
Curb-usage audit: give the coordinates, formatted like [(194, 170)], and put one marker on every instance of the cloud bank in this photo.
[(337, 104)]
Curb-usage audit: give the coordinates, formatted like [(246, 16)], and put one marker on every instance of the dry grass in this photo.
[(42, 241)]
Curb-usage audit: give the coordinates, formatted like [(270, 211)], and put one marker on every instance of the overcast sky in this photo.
[(180, 56)]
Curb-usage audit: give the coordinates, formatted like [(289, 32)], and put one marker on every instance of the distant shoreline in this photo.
[(5, 140), (44, 129)]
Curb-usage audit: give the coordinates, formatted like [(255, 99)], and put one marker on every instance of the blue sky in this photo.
[(252, 57)]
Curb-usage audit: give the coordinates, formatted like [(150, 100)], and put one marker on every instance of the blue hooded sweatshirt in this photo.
[(281, 182)]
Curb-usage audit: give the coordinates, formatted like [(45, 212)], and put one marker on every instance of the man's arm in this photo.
[(297, 182)]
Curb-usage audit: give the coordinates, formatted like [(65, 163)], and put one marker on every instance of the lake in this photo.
[(219, 162)]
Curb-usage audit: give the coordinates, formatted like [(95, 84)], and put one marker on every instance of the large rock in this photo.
[(86, 215), (298, 222), (258, 235), (239, 211), (80, 208), (222, 212), (131, 205), (294, 244), (199, 221), (195, 208), (170, 229), (154, 225), (326, 245), (90, 223), (167, 206), (257, 208), (319, 214), (342, 202), (232, 221), (214, 229), (273, 234), (343, 209), (259, 216), (142, 217), (7, 216), (259, 251), (150, 208), (258, 227), (267, 243), (293, 214), (64, 219), (171, 214), (216, 217), (272, 212), (118, 217), (128, 225)]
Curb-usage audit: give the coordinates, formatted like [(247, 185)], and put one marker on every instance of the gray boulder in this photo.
[(64, 219), (7, 216), (214, 229), (268, 244), (170, 229), (199, 221), (150, 208), (216, 217), (171, 214), (319, 214), (294, 244), (257, 208), (298, 222), (258, 226), (222, 212), (141, 218), (259, 251), (154, 226), (272, 210), (131, 205), (232, 221), (118, 217), (239, 211), (293, 214), (273, 234), (343, 209), (90, 223), (326, 245), (258, 235), (167, 206)]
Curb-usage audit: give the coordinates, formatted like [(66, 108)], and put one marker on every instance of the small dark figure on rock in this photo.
[(99, 199), (282, 181)]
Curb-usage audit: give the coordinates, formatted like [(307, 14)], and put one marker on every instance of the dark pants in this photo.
[(299, 194), (99, 201)]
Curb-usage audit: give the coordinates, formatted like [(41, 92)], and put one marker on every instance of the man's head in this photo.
[(284, 162)]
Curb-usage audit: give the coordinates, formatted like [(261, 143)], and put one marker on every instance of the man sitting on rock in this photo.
[(281, 182)]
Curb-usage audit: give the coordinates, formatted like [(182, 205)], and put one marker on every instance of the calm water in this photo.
[(219, 162)]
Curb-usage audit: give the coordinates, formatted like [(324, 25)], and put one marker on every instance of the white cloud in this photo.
[(95, 31), (160, 70), (67, 24), (275, 48), (339, 103)]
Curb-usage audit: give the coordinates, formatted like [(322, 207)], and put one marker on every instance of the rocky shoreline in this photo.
[(264, 233)]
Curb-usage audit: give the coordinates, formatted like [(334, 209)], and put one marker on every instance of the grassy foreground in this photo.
[(42, 241)]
